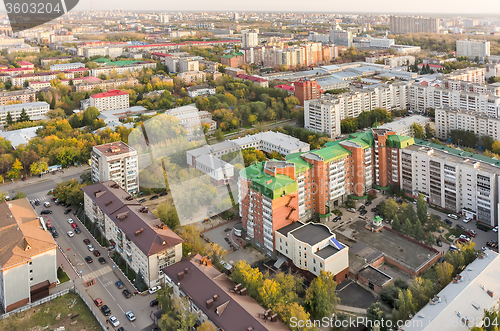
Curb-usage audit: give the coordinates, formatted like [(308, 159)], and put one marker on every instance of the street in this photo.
[(104, 274)]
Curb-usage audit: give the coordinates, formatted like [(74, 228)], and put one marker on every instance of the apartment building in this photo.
[(473, 48), (192, 119), (35, 111), (249, 38), (423, 97), (199, 90), (471, 75), (51, 60), (119, 70), (381, 42), (19, 96), (19, 80), (324, 116), (400, 61), (413, 24), (341, 37), (233, 60), (142, 240), (262, 82), (67, 66), (108, 84), (313, 248), (452, 179), (192, 76), (307, 89), (448, 119), (28, 264), (117, 162), (491, 70), (404, 126), (181, 63), (113, 99), (111, 51), (458, 85)]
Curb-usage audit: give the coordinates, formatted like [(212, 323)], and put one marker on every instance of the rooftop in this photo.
[(114, 148), (269, 186), (312, 233), (21, 136), (20, 106), (130, 216), (110, 93), (374, 275), (405, 123), (331, 152)]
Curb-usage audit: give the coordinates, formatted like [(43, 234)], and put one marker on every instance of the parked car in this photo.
[(89, 259), (338, 218), (101, 260), (126, 293), (363, 212), (460, 226), (154, 197), (37, 203), (447, 221), (467, 219), (130, 315), (119, 284), (86, 241), (56, 201), (46, 212), (98, 302), (114, 321), (368, 203), (373, 209), (70, 221), (154, 303), (439, 243), (97, 253), (362, 207), (77, 230), (70, 234), (74, 226), (90, 248), (162, 194), (105, 310), (471, 233), (46, 204), (455, 217), (121, 328), (67, 211), (352, 210), (495, 229), (55, 234), (143, 200), (154, 289)]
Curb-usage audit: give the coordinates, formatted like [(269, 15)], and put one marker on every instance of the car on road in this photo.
[(77, 230), (55, 234), (467, 219), (101, 260), (154, 289), (56, 201), (363, 212), (162, 194), (362, 207), (461, 240), (119, 284), (37, 203), (67, 211), (70, 221), (154, 303), (463, 236), (45, 212), (114, 321), (352, 210), (98, 302), (439, 243), (154, 197), (495, 229), (46, 204), (368, 203), (374, 209), (88, 259), (105, 310), (74, 226), (97, 253), (121, 328), (338, 218), (460, 226), (471, 233), (130, 315), (126, 294), (70, 234), (86, 241), (447, 221), (143, 200), (455, 217), (90, 248)]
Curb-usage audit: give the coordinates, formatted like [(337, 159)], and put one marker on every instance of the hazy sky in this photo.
[(489, 7)]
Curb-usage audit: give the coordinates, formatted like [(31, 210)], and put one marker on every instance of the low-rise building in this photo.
[(404, 126), (313, 248), (92, 82), (233, 72), (35, 111), (192, 76), (119, 70), (21, 136), (198, 90), (113, 99), (67, 66), (28, 264), (262, 82), (18, 96), (118, 162), (142, 240)]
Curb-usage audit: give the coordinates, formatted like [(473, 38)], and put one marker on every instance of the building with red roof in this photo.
[(111, 100), (435, 67), (262, 82), (26, 64), (290, 89)]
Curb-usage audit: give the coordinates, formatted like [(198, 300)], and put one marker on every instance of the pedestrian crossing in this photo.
[(97, 273), (42, 199)]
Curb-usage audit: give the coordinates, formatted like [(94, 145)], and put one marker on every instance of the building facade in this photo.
[(473, 48), (481, 124), (113, 99), (413, 24), (307, 89), (35, 111), (117, 162), (19, 96), (249, 38)]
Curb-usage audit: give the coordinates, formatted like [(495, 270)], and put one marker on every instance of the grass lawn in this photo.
[(62, 276), (45, 316)]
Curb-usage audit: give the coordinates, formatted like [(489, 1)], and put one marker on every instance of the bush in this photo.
[(337, 212)]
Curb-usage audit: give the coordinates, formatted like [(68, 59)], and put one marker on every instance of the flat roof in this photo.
[(114, 148), (312, 233), (327, 251), (404, 122), (374, 275)]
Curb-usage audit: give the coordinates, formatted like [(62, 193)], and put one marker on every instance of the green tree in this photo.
[(389, 209), (178, 316), (407, 228), (219, 135), (418, 131), (487, 142), (321, 298), (24, 116), (37, 168), (19, 195), (375, 313), (9, 119), (396, 225), (405, 304), (206, 326), (168, 215), (444, 273), (250, 277), (422, 291), (429, 131), (421, 209), (53, 102), (429, 239), (286, 311)]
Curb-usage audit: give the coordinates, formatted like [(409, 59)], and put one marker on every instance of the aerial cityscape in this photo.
[(250, 166)]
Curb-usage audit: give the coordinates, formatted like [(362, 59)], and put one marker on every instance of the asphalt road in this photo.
[(104, 274)]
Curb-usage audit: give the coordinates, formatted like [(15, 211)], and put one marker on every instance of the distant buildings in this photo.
[(90, 83), (262, 82), (404, 126), (66, 66), (198, 90), (400, 61), (117, 162), (381, 42), (35, 111), (249, 38), (413, 24), (181, 63), (472, 48), (111, 69), (192, 76), (192, 119), (481, 124), (113, 99), (307, 89), (341, 37), (18, 96), (140, 238), (21, 136), (28, 264)]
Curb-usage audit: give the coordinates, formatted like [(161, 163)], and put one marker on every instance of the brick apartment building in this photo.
[(19, 96), (307, 89)]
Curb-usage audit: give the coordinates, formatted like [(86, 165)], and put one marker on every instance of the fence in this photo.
[(91, 308), (36, 303)]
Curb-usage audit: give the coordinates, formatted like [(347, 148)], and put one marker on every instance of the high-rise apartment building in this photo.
[(117, 162), (481, 124), (473, 48), (413, 24), (111, 100), (307, 89), (250, 38), (341, 37)]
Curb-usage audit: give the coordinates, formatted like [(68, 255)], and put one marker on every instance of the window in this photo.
[(286, 251), (281, 248), (31, 279), (314, 269), (321, 265)]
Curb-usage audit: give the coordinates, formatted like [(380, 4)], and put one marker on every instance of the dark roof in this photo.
[(374, 275), (326, 252), (290, 227), (312, 233), (201, 288), (137, 225)]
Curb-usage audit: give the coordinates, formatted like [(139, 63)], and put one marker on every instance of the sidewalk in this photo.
[(18, 184)]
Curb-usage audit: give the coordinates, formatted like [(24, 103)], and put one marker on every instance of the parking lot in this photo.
[(354, 295)]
